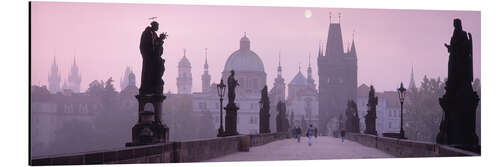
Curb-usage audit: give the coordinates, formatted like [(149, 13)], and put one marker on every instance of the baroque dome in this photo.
[(244, 59)]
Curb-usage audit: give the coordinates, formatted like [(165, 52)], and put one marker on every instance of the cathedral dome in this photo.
[(244, 59)]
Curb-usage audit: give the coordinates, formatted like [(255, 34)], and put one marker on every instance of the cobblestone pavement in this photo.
[(322, 148)]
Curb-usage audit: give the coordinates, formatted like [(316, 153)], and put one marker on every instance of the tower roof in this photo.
[(334, 44), (184, 61), (299, 79)]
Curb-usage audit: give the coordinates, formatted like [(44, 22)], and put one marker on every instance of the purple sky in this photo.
[(105, 39)]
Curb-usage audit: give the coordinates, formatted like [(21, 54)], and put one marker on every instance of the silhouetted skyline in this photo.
[(104, 39)]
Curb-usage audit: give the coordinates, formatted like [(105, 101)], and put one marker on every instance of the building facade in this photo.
[(302, 100)]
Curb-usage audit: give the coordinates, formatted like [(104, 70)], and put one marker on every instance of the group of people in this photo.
[(309, 132)]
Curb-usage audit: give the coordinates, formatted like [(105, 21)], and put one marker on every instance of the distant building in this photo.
[(302, 99), (338, 79), (388, 110), (54, 78), (74, 78), (124, 81), (184, 78), (127, 94), (49, 112), (249, 71)]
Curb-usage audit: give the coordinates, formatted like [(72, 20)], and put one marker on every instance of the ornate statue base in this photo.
[(370, 125), (264, 123), (458, 126), (149, 128), (231, 116)]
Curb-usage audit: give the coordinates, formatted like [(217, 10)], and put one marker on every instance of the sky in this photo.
[(104, 39)]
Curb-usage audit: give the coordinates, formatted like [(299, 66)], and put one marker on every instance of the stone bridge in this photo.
[(273, 146)]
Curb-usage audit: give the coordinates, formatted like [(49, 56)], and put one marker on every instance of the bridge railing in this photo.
[(407, 148), (185, 151)]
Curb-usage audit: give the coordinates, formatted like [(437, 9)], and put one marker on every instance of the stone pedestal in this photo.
[(458, 126), (231, 122), (149, 128), (370, 122)]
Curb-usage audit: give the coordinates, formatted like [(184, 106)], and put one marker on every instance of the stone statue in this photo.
[(459, 103), (264, 112), (151, 48), (371, 116), (282, 124), (231, 108), (149, 128), (352, 120), (231, 87)]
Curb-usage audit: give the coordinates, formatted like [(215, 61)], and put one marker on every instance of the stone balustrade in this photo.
[(407, 148), (185, 151)]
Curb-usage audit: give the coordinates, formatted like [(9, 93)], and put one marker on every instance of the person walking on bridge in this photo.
[(342, 134), (309, 134), (299, 133)]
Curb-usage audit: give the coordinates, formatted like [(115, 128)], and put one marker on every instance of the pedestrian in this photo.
[(299, 133), (342, 134), (309, 134), (294, 132), (315, 132)]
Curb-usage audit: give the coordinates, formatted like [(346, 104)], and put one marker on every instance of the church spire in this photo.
[(205, 78), (205, 66), (75, 78), (54, 77), (279, 64), (412, 80)]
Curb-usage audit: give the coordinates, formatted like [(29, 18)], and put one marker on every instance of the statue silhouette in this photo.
[(151, 48), (459, 103), (231, 86)]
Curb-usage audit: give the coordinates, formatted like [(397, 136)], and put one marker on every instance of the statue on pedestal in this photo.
[(282, 124), (371, 116), (264, 112), (149, 128), (231, 108), (352, 122), (459, 103)]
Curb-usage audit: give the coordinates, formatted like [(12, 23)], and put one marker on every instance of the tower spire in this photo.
[(184, 49), (206, 60), (279, 63), (412, 79)]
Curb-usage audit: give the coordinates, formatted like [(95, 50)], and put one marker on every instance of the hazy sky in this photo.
[(105, 39)]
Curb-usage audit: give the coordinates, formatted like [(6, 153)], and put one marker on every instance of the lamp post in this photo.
[(402, 93), (220, 90)]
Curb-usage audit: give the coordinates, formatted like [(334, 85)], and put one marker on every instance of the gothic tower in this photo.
[(337, 71), (310, 80), (124, 82), (54, 78), (74, 79), (184, 78), (277, 94), (205, 78)]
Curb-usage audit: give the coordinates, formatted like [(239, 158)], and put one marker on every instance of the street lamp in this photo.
[(220, 90), (402, 94)]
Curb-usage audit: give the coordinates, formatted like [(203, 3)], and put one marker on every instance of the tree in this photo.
[(423, 112)]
